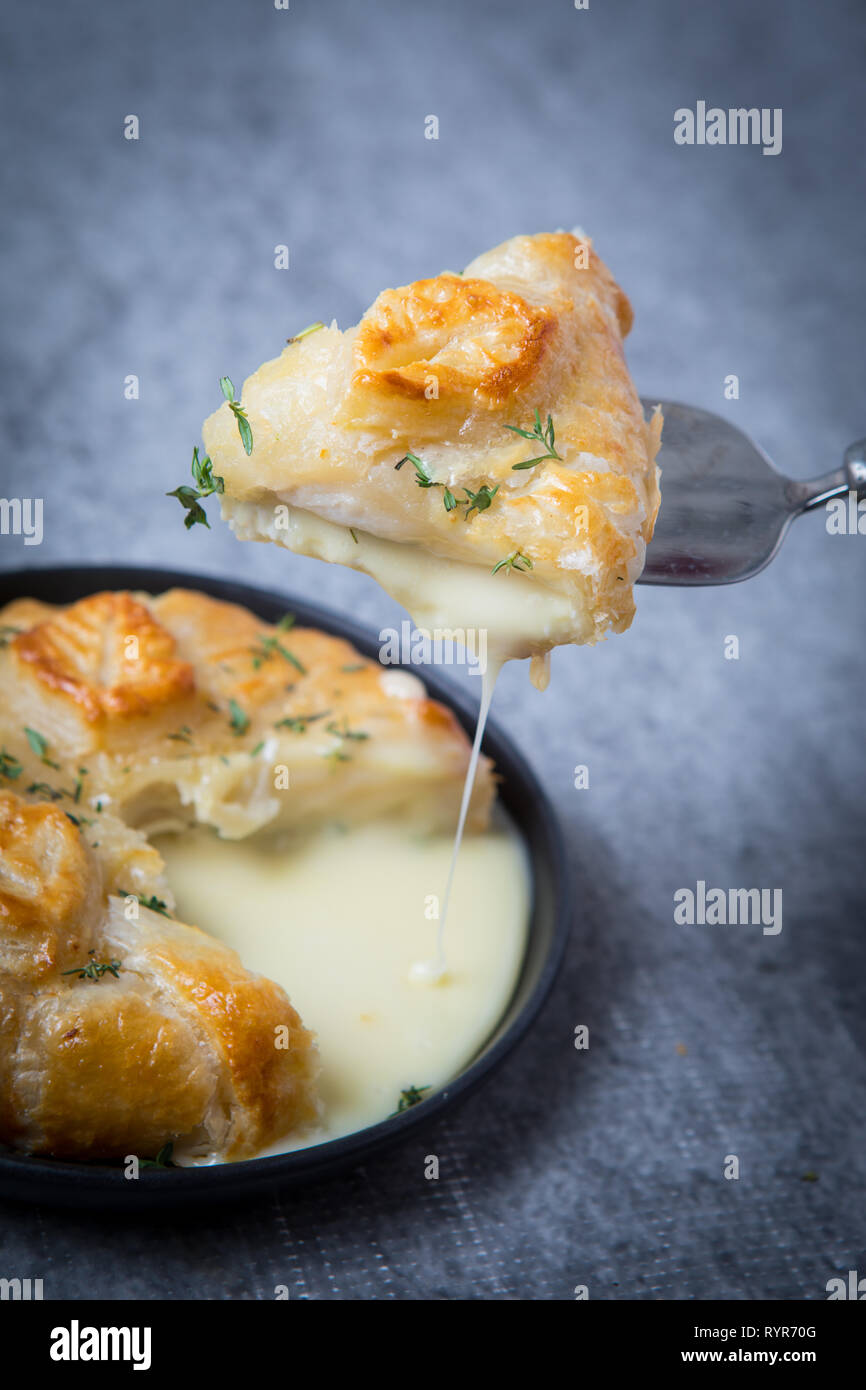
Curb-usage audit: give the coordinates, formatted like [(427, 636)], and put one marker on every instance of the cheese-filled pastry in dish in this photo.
[(124, 715), (181, 709), (475, 443), (121, 1029)]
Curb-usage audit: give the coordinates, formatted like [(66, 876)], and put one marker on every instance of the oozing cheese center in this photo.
[(518, 616), (338, 921)]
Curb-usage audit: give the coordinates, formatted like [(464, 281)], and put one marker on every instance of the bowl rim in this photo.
[(62, 1181)]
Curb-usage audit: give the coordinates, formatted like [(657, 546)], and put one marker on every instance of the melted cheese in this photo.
[(519, 616), (338, 921)]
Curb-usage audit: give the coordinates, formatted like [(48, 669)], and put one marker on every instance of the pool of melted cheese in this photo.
[(339, 920)]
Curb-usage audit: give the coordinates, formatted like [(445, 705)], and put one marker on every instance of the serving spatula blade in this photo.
[(725, 509)]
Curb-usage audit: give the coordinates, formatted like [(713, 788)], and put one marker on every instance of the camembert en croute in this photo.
[(475, 443), (172, 759)]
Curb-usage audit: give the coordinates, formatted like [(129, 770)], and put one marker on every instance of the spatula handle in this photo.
[(851, 477)]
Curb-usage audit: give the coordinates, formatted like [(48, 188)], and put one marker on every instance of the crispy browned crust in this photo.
[(183, 1042), (149, 730), (49, 890), (439, 322), (107, 655), (447, 368), (182, 1045)]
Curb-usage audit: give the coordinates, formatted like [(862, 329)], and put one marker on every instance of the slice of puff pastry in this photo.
[(180, 1044), (181, 709), (441, 369)]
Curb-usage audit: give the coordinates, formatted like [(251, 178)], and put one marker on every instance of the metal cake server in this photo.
[(725, 510)]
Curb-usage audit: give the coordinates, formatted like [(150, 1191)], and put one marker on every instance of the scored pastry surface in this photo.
[(446, 369), (126, 714)]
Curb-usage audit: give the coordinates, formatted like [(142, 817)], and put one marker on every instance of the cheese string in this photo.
[(432, 971)]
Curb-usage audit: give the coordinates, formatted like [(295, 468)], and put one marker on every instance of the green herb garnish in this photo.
[(162, 1160), (473, 501), (545, 436), (239, 721), (95, 969), (43, 789), (515, 561), (238, 412), (345, 731), (205, 484), (479, 501), (7, 632), (422, 473), (353, 535), (310, 328), (183, 735), (154, 903), (413, 1095), (298, 723), (39, 744), (9, 765), (424, 478), (268, 646)]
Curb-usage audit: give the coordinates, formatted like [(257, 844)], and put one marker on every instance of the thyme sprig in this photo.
[(95, 969), (358, 735), (539, 435), (515, 561), (239, 721), (163, 1158), (44, 789), (269, 646), (413, 1095), (423, 476), (237, 410), (305, 332), (298, 723), (190, 497), (10, 767), (154, 903), (473, 501), (479, 501)]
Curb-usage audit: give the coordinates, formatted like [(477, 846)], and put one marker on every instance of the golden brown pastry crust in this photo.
[(182, 1044), (108, 655), (448, 323), (215, 702), (443, 368), (49, 890)]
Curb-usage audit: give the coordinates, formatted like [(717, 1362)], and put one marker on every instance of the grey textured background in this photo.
[(156, 258)]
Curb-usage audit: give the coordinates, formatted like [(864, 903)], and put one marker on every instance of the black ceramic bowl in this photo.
[(93, 1184)]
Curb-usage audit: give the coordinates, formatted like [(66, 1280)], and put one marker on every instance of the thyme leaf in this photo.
[(239, 721), (205, 484), (238, 412), (545, 436), (413, 1095), (515, 561)]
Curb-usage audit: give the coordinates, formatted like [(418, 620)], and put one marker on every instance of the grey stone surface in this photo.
[(306, 127)]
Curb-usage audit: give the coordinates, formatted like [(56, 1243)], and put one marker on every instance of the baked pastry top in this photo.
[(448, 371), (122, 1028), (125, 714), (180, 708)]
